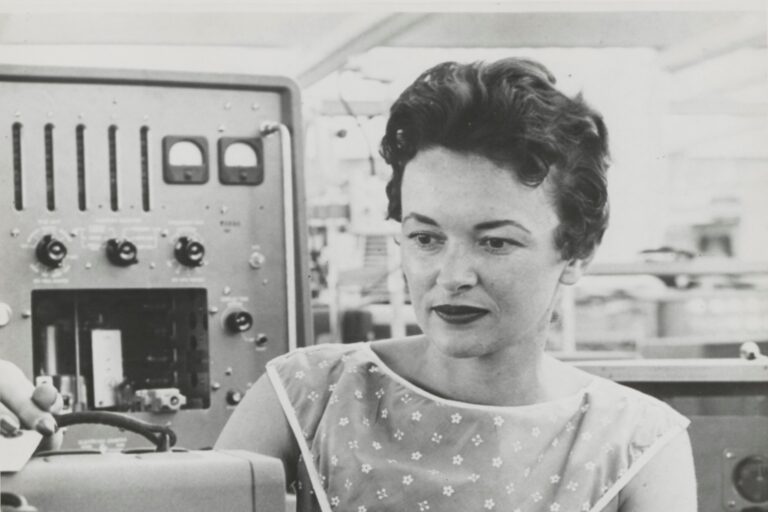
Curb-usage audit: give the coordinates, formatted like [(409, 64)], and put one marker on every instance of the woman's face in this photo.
[(478, 253)]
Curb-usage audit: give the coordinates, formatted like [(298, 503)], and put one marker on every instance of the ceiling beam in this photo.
[(352, 37), (749, 30)]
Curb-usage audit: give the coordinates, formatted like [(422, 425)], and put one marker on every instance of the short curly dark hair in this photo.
[(510, 112)]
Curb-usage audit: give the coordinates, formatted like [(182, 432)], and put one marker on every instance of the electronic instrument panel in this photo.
[(153, 240)]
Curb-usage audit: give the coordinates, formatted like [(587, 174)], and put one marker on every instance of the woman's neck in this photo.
[(517, 375)]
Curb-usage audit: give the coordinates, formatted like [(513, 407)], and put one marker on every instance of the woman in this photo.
[(499, 185)]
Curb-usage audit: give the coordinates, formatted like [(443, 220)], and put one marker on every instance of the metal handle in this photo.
[(268, 128)]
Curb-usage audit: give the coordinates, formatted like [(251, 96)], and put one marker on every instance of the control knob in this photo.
[(121, 252), (238, 321), (189, 252), (51, 252), (234, 397)]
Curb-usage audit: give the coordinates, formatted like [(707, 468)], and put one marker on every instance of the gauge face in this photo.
[(750, 477)]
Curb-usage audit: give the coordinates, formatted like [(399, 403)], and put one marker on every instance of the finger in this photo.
[(45, 397), (53, 442), (16, 394), (9, 423)]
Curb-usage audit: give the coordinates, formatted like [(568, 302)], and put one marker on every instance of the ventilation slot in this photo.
[(50, 193), (145, 168), (113, 197), (18, 196), (80, 139)]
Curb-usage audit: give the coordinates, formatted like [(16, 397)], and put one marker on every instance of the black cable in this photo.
[(162, 437)]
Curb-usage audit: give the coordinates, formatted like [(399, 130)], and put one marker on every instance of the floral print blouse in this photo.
[(371, 441)]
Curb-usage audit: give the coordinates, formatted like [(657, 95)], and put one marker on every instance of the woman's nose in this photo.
[(457, 271)]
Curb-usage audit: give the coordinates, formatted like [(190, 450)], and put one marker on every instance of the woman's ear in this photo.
[(573, 271)]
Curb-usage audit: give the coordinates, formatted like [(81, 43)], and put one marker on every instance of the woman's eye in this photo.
[(424, 239), (499, 243)]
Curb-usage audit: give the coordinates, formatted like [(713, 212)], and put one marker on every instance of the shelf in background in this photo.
[(674, 268)]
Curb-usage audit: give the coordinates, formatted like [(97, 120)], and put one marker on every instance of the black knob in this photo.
[(234, 397), (239, 321), (121, 252), (189, 252), (51, 252)]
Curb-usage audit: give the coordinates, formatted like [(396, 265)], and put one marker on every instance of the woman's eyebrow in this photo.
[(493, 224), (420, 218)]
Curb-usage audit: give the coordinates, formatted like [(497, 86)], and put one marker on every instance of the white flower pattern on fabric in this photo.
[(474, 457)]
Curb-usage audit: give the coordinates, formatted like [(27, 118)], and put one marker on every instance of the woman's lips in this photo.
[(455, 314)]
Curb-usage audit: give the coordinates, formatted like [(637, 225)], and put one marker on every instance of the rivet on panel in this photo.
[(15, 232), (213, 310), (26, 313), (222, 128), (227, 105), (255, 106), (152, 264), (227, 290), (224, 209), (88, 265), (228, 371), (215, 386)]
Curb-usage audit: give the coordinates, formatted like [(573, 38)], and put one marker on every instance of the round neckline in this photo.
[(376, 359)]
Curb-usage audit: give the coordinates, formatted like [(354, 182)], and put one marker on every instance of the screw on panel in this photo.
[(731, 504), (164, 233)]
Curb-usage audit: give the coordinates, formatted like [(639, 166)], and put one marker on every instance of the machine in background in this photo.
[(153, 253), (727, 402)]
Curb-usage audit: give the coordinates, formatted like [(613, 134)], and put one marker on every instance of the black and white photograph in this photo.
[(382, 256)]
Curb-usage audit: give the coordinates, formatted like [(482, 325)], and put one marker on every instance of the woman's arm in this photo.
[(259, 425), (666, 482)]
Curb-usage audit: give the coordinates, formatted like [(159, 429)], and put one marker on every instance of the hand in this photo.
[(24, 406)]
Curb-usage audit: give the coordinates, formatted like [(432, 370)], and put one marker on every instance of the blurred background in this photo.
[(683, 86)]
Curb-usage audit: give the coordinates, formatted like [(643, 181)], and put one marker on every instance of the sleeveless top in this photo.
[(371, 441)]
